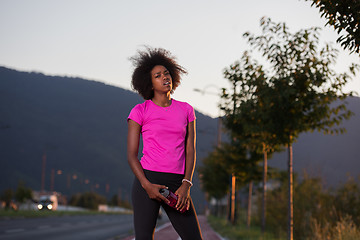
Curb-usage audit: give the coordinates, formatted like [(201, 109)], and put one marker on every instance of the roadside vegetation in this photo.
[(284, 85), (319, 213), (21, 202)]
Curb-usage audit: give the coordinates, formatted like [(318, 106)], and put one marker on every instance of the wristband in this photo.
[(188, 181)]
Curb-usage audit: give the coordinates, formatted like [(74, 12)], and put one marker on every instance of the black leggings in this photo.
[(146, 210)]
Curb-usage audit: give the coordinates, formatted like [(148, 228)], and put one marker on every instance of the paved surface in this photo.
[(167, 232)]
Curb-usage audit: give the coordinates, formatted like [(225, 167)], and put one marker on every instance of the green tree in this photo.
[(227, 159), (302, 86), (344, 16), (214, 177), (249, 119), (347, 200), (22, 192), (117, 201), (241, 164), (7, 196), (89, 200)]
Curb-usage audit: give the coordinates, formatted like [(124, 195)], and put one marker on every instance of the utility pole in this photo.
[(43, 172), (52, 181)]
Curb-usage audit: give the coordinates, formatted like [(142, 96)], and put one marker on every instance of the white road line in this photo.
[(220, 236), (162, 227), (15, 230), (43, 227), (159, 228)]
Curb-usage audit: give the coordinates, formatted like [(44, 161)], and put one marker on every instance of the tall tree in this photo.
[(249, 121), (225, 160), (344, 16), (214, 175), (242, 165), (7, 196), (22, 192), (302, 86)]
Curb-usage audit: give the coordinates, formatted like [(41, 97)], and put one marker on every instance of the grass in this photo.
[(5, 214), (238, 231)]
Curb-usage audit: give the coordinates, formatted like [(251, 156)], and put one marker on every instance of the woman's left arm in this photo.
[(183, 191)]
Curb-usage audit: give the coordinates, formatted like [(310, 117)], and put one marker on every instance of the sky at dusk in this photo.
[(94, 39)]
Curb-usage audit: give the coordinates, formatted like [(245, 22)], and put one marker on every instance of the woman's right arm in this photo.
[(133, 140)]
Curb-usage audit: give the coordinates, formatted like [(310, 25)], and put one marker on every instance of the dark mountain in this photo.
[(334, 158), (78, 126)]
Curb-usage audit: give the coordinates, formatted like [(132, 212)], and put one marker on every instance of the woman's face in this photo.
[(161, 79)]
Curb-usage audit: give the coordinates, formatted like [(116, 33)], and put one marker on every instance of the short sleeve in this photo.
[(191, 113), (136, 114)]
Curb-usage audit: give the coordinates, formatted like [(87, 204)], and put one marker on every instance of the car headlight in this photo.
[(49, 206), (40, 206)]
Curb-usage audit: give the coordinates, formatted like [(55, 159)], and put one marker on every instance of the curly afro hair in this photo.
[(145, 61)]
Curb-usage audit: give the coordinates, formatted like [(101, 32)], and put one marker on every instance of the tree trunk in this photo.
[(248, 219), (290, 192), (228, 206), (263, 214), (233, 178)]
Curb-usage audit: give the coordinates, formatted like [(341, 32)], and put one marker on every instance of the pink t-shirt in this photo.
[(163, 131)]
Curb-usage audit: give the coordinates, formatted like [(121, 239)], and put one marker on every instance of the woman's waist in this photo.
[(172, 180)]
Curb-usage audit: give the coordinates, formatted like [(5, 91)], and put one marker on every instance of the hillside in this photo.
[(79, 125)]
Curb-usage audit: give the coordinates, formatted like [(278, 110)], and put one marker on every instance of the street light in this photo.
[(203, 92)]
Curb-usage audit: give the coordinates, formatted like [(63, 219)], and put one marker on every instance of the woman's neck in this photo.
[(162, 100)]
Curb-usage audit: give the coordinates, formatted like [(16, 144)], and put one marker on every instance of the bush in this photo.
[(22, 192), (116, 201), (315, 209), (6, 197), (345, 229), (347, 200), (89, 200), (238, 231)]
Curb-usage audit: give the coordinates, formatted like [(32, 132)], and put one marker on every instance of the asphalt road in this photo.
[(99, 227)]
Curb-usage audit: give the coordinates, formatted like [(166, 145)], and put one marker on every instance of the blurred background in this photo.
[(65, 95)]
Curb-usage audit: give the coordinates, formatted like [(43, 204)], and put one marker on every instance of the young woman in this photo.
[(167, 127)]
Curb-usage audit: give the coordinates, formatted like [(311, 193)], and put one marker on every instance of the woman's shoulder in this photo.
[(138, 112), (141, 106), (187, 109), (183, 104)]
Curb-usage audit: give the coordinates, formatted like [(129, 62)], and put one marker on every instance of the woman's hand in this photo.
[(153, 191), (183, 193)]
